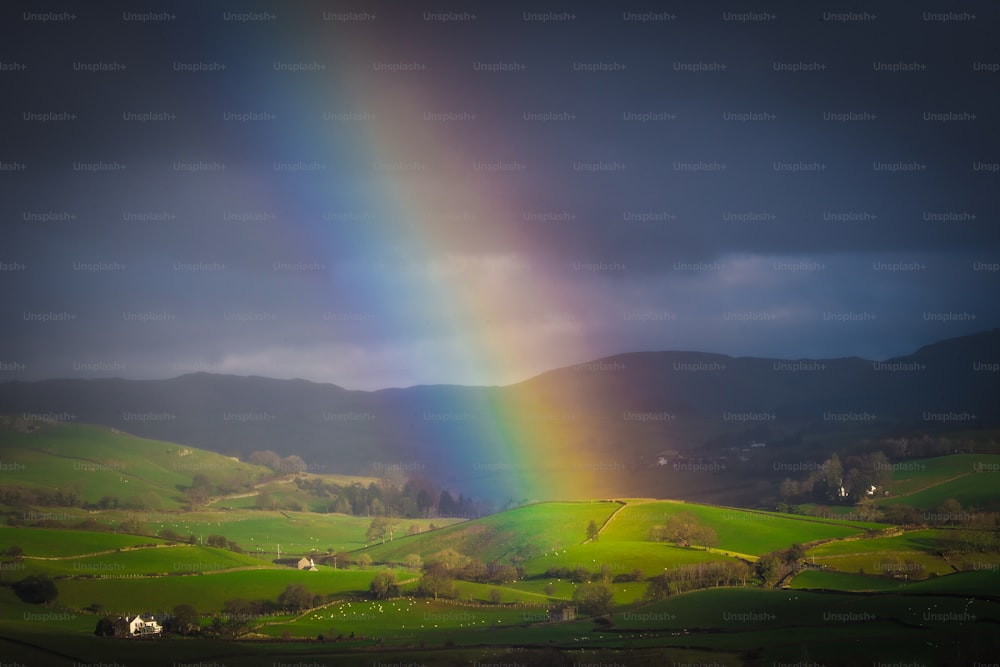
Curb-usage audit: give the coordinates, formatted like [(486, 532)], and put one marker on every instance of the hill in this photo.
[(105, 467), (631, 409), (536, 528)]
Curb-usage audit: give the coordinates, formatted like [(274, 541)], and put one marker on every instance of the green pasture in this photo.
[(174, 559), (52, 543), (207, 592), (547, 526), (621, 557), (740, 531), (99, 461)]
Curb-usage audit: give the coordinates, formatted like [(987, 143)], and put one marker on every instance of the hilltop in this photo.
[(630, 409)]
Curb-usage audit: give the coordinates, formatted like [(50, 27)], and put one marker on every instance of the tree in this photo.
[(794, 554), (377, 529), (105, 627), (266, 458), (384, 585), (593, 599), (364, 560), (684, 530), (14, 551), (292, 464), (592, 531), (446, 505), (949, 512), (36, 589), (833, 477), (184, 620), (450, 559), (231, 628), (495, 595), (265, 501), (767, 568), (218, 541), (130, 526), (295, 596), (436, 584), (659, 587), (414, 561)]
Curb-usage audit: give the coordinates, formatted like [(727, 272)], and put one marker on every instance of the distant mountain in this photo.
[(629, 408)]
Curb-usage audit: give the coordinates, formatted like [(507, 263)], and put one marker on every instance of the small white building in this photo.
[(140, 627), (306, 564)]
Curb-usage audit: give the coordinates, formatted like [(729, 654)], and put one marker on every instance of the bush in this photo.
[(593, 599), (384, 585), (36, 589)]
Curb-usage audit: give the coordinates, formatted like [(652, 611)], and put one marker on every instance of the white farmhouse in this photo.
[(140, 627)]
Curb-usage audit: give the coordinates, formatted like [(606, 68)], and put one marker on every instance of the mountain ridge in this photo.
[(599, 408)]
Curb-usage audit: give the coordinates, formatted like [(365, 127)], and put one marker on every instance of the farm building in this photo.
[(567, 613), (306, 564), (140, 627)]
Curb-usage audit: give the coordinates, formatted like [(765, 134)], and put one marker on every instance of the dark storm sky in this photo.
[(809, 180)]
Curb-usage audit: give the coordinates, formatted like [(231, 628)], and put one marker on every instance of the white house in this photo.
[(306, 564), (139, 626)]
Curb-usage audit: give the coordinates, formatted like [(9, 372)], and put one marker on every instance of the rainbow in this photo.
[(445, 235)]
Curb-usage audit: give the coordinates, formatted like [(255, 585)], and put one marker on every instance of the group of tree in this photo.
[(440, 571), (381, 528), (294, 597), (451, 563), (384, 586), (35, 589), (204, 487), (840, 482), (222, 542), (72, 496), (772, 568), (275, 462), (685, 530), (593, 599), (697, 576), (579, 574), (393, 495)]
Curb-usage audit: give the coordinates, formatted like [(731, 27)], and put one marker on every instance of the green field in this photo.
[(284, 493), (207, 592), (404, 619), (842, 609), (296, 533), (738, 531), (971, 479), (547, 526), (842, 581), (98, 461), (167, 560), (620, 557), (44, 542)]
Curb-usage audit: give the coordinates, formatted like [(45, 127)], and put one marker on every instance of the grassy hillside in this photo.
[(206, 592), (971, 479), (547, 526), (861, 610), (293, 532), (739, 531), (96, 461), (42, 542), (886, 621), (175, 559)]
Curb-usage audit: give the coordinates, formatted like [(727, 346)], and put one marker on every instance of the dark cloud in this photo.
[(652, 202)]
